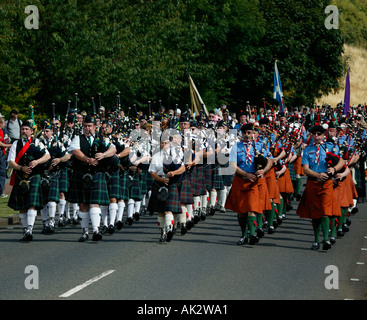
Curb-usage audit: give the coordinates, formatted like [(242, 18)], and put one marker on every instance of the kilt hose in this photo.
[(217, 179), (185, 190), (97, 194), (20, 200), (244, 196), (113, 184), (172, 204), (52, 191), (318, 200), (64, 182)]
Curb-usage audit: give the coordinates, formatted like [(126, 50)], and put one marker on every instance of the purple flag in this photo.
[(347, 95)]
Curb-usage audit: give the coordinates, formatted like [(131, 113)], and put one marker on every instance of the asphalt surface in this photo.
[(204, 264)]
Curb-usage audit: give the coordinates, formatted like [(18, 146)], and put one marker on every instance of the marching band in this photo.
[(110, 170)]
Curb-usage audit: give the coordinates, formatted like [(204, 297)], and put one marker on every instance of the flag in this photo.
[(197, 104), (278, 91), (347, 95)]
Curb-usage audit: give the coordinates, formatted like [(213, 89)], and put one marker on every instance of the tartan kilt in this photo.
[(23, 201), (194, 181), (200, 180), (52, 192), (185, 190), (98, 194), (135, 189), (113, 184), (124, 189), (149, 181), (292, 171), (207, 177), (217, 180), (143, 183), (172, 203), (64, 183)]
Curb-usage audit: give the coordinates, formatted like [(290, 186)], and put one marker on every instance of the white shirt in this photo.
[(13, 149)]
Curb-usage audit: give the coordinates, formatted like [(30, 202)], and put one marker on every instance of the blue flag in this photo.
[(278, 91), (347, 95)]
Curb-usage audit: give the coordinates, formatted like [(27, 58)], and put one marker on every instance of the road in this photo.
[(204, 264)]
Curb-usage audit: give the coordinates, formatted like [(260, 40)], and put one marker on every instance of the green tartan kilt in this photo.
[(217, 180), (24, 200), (64, 183), (143, 183), (194, 180), (207, 177), (185, 190), (172, 203), (52, 192), (149, 181), (98, 194), (124, 189), (135, 189), (113, 184), (292, 172)]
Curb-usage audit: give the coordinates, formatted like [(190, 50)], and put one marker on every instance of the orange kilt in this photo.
[(244, 196), (341, 194), (318, 200), (264, 195), (298, 169), (273, 188), (352, 187), (285, 183)]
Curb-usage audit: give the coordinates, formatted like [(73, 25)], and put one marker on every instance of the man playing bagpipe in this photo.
[(26, 160), (88, 185), (318, 201)]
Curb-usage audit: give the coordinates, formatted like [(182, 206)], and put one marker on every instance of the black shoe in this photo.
[(189, 224), (340, 233), (169, 235), (211, 211), (202, 217), (326, 245), (111, 229), (27, 236), (260, 232), (242, 241), (183, 230), (332, 240), (345, 228), (298, 197), (279, 220), (196, 219), (315, 246), (97, 236), (84, 237), (103, 229), (46, 230), (136, 216), (129, 221), (348, 222), (61, 223), (271, 230), (75, 221), (354, 210), (119, 225), (253, 240)]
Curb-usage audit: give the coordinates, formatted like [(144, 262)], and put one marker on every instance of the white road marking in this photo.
[(85, 284)]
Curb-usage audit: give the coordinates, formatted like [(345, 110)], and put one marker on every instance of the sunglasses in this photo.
[(318, 134)]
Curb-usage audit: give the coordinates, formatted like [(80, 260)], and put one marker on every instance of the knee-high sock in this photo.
[(213, 198), (271, 214), (196, 202), (67, 209), (120, 210), (242, 221), (298, 186), (168, 220), (280, 207), (325, 227), (182, 215), (95, 218), (259, 220), (251, 224), (75, 210), (104, 211), (333, 227), (52, 211), (204, 200), (189, 211), (84, 223), (61, 207), (31, 218), (161, 222), (113, 211), (23, 219), (222, 197), (137, 206), (130, 208), (316, 224), (44, 214)]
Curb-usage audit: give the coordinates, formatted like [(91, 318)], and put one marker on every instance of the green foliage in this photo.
[(147, 48)]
